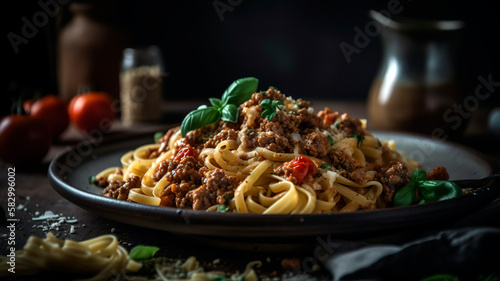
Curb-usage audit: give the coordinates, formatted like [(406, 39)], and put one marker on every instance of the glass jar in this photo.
[(420, 79), (141, 85)]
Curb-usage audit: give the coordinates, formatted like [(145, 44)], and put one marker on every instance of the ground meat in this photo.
[(120, 189), (201, 198), (256, 99), (101, 182), (216, 186), (224, 125), (226, 134), (163, 141), (357, 175), (195, 138), (183, 177), (348, 167), (119, 171), (316, 144), (439, 173), (163, 167), (308, 122), (395, 177), (349, 125), (274, 94), (273, 134), (328, 116)]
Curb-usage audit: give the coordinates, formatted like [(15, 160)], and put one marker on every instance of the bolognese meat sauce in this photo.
[(293, 127)]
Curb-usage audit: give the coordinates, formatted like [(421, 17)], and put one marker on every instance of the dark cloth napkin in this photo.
[(467, 250)]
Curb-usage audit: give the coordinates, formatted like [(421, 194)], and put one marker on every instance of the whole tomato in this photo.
[(92, 110), (53, 111), (23, 139)]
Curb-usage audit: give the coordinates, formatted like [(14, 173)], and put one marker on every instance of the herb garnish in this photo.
[(428, 190), (360, 138), (325, 166), (157, 136), (222, 208), (226, 108), (270, 107), (143, 252), (330, 139)]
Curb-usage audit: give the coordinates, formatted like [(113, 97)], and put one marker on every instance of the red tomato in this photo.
[(302, 167), (184, 152), (53, 111), (27, 105), (92, 110), (23, 139)]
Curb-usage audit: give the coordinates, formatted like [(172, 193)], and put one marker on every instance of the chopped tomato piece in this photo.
[(185, 152), (301, 167), (330, 118)]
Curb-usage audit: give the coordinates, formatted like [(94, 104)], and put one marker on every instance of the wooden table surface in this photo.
[(34, 196)]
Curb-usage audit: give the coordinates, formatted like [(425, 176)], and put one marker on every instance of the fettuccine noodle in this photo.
[(257, 165)]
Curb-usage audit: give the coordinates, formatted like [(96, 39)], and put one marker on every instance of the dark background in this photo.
[(293, 45)]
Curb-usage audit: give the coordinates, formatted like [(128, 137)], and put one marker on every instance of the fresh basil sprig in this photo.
[(270, 107), (428, 190), (225, 108)]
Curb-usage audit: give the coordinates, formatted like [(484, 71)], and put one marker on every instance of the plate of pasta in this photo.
[(262, 164)]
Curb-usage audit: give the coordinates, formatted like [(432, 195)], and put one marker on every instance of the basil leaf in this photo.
[(142, 252), (404, 196), (157, 136), (438, 190), (217, 103), (269, 107), (199, 118), (240, 91), (266, 103), (230, 113), (92, 179), (418, 175)]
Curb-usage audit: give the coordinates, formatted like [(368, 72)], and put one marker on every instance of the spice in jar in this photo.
[(141, 94)]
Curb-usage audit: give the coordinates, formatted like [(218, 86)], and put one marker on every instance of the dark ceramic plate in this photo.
[(70, 171)]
